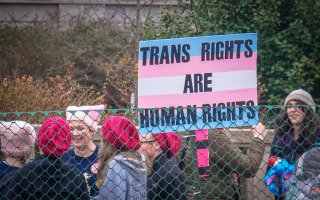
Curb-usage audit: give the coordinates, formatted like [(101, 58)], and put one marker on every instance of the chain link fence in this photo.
[(56, 155)]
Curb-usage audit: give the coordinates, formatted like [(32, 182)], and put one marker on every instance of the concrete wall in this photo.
[(62, 11)]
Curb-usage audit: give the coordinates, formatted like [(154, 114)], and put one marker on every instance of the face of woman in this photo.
[(147, 147), (81, 134), (295, 112)]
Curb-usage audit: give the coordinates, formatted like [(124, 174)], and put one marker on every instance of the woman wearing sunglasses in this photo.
[(297, 130)]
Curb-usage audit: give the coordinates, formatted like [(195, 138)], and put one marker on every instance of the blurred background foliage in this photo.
[(50, 93), (46, 68), (288, 37)]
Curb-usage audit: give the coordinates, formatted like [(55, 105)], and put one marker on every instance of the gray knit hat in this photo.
[(301, 95)]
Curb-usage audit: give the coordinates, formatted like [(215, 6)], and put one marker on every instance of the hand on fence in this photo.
[(259, 131)]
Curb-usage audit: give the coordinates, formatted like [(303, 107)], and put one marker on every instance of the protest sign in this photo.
[(197, 83)]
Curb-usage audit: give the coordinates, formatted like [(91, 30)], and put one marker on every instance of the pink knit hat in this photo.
[(90, 115), (121, 133), (169, 142), (17, 138), (54, 136)]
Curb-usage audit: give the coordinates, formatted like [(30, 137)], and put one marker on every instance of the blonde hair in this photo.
[(105, 155)]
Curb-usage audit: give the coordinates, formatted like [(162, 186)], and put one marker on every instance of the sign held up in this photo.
[(197, 83)]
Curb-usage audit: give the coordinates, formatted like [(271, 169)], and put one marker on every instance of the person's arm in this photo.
[(273, 150), (231, 158), (14, 186)]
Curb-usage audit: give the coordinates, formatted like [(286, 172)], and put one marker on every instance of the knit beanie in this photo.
[(303, 96), (309, 162), (17, 138), (90, 115), (169, 142), (121, 133), (54, 136)]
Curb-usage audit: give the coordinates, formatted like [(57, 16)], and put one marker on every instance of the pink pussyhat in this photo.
[(17, 138), (90, 115)]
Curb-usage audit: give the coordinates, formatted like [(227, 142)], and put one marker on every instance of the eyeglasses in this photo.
[(295, 106), (148, 141)]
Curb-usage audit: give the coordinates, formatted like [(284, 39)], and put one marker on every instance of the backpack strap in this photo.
[(190, 141), (182, 164), (196, 175)]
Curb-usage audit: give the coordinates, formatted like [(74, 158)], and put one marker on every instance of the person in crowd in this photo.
[(304, 183), (84, 121), (17, 144), (47, 176), (297, 130), (165, 178), (227, 164), (122, 173)]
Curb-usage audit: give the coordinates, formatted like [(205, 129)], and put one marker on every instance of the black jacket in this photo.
[(167, 180), (47, 178)]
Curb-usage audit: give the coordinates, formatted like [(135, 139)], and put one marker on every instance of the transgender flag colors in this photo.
[(197, 83)]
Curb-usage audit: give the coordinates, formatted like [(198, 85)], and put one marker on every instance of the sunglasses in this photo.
[(148, 141), (295, 106)]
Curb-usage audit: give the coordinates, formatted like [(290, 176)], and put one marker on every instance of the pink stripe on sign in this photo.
[(198, 98), (203, 157), (195, 65), (201, 134)]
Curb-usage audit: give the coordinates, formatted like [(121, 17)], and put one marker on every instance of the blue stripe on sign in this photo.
[(155, 123), (195, 42)]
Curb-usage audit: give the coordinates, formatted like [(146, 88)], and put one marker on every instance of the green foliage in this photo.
[(288, 37), (28, 49), (92, 51), (39, 49)]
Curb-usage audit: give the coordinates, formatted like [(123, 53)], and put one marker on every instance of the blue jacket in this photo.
[(86, 166)]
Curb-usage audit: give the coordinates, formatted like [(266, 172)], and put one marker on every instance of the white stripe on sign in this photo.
[(220, 81)]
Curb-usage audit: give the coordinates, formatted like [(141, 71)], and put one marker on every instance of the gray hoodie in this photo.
[(126, 178)]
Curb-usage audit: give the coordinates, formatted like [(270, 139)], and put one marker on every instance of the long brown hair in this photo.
[(310, 125), (106, 153)]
